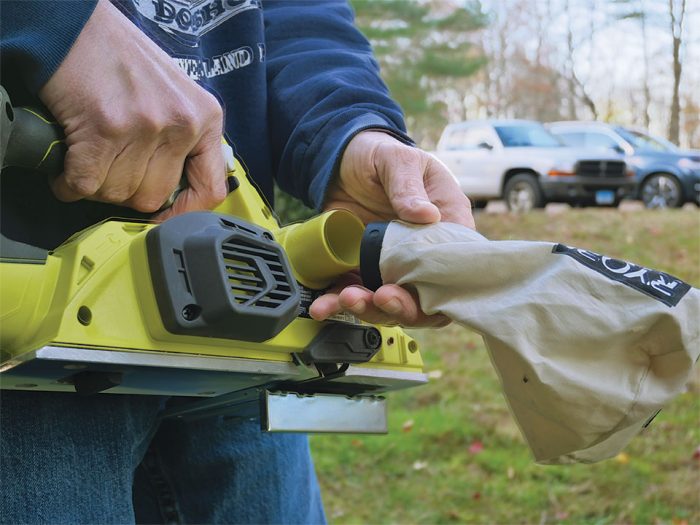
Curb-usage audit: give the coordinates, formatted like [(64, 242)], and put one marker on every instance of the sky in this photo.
[(610, 59)]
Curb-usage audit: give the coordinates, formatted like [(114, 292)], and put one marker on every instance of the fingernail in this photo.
[(392, 306)]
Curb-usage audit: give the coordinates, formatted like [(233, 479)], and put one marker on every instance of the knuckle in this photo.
[(120, 194), (401, 153), (110, 123), (113, 128), (212, 109), (410, 187), (150, 124), (147, 203), (218, 192), (185, 123), (213, 194), (84, 186)]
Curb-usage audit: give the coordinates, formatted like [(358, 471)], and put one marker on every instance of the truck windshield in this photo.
[(526, 136), (644, 141)]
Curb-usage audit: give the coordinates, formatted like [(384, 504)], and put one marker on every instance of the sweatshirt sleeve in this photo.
[(323, 88), (36, 35)]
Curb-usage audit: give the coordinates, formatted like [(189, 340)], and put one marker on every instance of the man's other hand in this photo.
[(381, 179), (133, 122)]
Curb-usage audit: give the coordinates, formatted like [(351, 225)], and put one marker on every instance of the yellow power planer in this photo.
[(209, 305)]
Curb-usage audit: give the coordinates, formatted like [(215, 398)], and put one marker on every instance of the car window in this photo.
[(599, 140), (644, 141), (467, 138), (573, 139), (526, 135), (454, 139)]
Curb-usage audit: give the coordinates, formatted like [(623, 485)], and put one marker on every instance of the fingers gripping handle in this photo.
[(30, 138)]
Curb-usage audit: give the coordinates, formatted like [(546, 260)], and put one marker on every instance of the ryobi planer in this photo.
[(209, 305)]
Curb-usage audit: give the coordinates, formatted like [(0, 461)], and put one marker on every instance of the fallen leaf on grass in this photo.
[(476, 447), (419, 465), (357, 443), (407, 426), (476, 496), (453, 515), (696, 454), (622, 458), (435, 374), (471, 345)]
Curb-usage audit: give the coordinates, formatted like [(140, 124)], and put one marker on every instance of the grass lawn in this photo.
[(454, 454)]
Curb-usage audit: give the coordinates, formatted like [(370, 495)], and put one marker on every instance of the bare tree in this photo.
[(636, 10), (645, 50), (576, 85), (571, 72), (676, 10)]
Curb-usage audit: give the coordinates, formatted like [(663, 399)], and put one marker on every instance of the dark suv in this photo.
[(667, 176)]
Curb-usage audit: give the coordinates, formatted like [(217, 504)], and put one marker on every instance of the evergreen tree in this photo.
[(424, 49)]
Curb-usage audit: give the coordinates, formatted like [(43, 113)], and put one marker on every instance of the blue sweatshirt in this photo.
[(295, 77)]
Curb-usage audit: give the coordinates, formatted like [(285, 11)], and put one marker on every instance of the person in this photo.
[(140, 88)]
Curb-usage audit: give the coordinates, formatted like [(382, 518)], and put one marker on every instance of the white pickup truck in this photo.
[(520, 162)]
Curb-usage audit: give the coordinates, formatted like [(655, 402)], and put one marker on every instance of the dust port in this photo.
[(412, 347), (390, 341), (84, 315), (323, 248), (342, 233), (191, 312)]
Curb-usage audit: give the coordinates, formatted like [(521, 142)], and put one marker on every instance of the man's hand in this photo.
[(382, 179), (133, 122)]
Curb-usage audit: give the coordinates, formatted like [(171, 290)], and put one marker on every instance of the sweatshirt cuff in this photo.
[(39, 34), (325, 152)]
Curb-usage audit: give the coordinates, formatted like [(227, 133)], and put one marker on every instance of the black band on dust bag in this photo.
[(370, 251)]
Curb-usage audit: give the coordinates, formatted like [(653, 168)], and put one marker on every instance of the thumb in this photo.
[(401, 170)]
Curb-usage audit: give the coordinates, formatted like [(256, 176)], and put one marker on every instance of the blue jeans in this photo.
[(108, 459)]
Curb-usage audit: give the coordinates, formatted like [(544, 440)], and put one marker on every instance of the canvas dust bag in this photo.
[(588, 348)]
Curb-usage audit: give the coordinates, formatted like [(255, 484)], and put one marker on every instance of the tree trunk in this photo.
[(571, 76), (677, 35), (645, 49)]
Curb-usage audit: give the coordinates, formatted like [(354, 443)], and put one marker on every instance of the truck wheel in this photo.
[(661, 191), (522, 193), (479, 204)]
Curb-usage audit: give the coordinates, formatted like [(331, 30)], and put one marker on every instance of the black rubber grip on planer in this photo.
[(35, 143), (370, 252)]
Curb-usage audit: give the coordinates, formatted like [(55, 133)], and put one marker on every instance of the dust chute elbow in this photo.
[(323, 248), (370, 253)]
